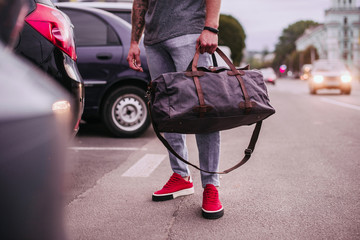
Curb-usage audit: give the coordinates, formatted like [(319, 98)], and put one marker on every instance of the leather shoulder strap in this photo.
[(250, 149)]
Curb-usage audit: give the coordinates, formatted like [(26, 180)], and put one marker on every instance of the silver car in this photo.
[(328, 74), (269, 75)]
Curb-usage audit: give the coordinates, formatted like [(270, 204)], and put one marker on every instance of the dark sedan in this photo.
[(114, 92), (47, 41)]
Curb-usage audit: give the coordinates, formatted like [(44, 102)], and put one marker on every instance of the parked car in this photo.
[(33, 136), (47, 41), (269, 75), (121, 9), (114, 92), (330, 74)]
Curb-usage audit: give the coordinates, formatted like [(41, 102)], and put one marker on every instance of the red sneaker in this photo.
[(211, 207), (175, 187)]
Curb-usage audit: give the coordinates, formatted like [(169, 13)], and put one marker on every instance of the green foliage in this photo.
[(255, 63), (232, 34), (307, 55), (258, 63), (293, 61), (296, 59), (286, 44)]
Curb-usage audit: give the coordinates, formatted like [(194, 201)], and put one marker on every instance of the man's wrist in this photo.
[(211, 29), (134, 42)]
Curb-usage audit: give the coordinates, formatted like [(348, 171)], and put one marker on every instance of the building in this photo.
[(338, 37)]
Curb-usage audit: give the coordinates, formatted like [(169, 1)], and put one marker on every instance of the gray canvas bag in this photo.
[(204, 100)]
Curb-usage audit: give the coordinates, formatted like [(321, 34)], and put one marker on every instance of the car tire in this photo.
[(346, 91), (312, 91), (125, 112)]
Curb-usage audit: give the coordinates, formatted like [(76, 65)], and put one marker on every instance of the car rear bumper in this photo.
[(77, 90)]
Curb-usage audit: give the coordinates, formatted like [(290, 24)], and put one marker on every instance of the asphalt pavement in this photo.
[(302, 181)]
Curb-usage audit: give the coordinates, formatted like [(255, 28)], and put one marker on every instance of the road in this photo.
[(302, 181)]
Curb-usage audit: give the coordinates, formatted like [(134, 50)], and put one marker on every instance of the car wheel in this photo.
[(346, 91), (312, 91), (125, 112)]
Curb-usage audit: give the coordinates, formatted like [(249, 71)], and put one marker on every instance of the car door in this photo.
[(99, 52)]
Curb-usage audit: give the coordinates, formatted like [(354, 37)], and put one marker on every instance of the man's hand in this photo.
[(133, 57), (207, 41), (137, 28)]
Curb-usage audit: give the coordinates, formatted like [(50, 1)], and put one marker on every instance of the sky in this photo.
[(264, 20)]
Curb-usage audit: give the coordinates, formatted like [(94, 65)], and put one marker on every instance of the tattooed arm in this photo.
[(138, 23)]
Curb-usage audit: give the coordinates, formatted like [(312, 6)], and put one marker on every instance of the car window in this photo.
[(90, 30), (124, 15), (329, 66)]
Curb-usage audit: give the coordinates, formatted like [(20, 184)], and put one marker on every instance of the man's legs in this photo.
[(164, 57), (182, 50), (159, 62)]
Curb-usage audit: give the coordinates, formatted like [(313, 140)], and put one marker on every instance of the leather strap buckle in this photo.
[(248, 152)]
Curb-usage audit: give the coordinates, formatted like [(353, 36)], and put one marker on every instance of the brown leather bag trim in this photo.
[(242, 105), (199, 91), (238, 72), (194, 74), (202, 109), (234, 70)]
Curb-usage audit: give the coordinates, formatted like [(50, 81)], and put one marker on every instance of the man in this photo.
[(173, 31)]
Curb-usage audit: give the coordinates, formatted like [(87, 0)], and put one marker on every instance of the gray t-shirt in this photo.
[(166, 19)]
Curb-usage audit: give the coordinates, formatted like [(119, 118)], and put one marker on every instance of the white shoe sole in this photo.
[(212, 214), (169, 196)]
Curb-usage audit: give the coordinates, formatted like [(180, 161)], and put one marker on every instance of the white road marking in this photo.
[(341, 104), (106, 149), (145, 166)]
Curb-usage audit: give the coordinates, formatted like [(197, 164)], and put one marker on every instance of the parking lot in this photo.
[(301, 183)]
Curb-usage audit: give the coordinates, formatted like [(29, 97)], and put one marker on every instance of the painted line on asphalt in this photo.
[(341, 104), (145, 166), (107, 149)]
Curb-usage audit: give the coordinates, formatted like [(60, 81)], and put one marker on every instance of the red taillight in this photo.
[(54, 26)]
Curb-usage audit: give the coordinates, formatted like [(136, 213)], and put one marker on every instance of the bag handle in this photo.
[(215, 63), (233, 72), (221, 54), (248, 151)]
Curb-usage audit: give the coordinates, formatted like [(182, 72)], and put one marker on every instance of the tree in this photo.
[(286, 45), (232, 34), (296, 59), (293, 61), (308, 55)]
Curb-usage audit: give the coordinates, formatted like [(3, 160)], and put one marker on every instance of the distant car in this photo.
[(114, 92), (121, 9), (47, 41), (269, 75), (328, 74)]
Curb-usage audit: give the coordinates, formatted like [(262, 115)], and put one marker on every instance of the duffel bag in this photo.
[(204, 100)]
